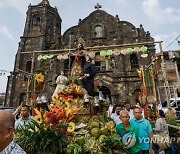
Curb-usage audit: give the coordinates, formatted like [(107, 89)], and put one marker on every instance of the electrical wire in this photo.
[(176, 39)]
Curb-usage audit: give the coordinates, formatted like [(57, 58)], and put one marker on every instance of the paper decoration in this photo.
[(143, 49), (103, 53), (39, 57), (123, 51), (130, 50), (66, 56), (137, 49), (44, 57), (116, 52), (91, 54), (109, 53), (60, 57), (144, 55)]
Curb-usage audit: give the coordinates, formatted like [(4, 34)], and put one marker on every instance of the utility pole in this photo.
[(177, 73), (164, 72)]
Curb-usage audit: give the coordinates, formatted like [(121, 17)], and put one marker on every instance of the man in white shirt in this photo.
[(127, 106), (116, 115)]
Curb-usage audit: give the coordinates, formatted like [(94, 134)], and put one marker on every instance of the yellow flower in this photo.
[(55, 97), (71, 127), (38, 116), (39, 77)]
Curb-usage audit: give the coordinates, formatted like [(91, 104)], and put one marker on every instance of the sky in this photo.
[(160, 17)]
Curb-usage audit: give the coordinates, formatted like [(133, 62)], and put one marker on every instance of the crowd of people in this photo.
[(136, 131), (131, 124)]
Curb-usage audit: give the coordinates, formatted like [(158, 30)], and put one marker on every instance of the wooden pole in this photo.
[(30, 77), (164, 71), (177, 73), (69, 69), (95, 48), (154, 94)]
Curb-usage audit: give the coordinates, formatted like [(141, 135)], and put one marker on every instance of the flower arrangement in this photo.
[(55, 130), (35, 138), (48, 132)]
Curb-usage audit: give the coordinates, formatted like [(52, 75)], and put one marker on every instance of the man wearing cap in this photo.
[(129, 134)]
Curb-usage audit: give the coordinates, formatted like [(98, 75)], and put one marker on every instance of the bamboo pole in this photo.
[(95, 48), (29, 78)]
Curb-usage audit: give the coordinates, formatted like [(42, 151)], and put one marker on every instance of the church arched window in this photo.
[(49, 30), (134, 61), (57, 26), (99, 31), (36, 20), (98, 61), (28, 66)]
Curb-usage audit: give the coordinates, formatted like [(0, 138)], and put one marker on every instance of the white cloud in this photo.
[(4, 30), (20, 5), (120, 2), (159, 15)]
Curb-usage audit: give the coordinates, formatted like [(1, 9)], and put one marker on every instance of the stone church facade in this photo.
[(42, 32)]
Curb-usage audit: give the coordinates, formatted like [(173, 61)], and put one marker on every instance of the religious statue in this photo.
[(88, 78), (60, 82), (77, 66)]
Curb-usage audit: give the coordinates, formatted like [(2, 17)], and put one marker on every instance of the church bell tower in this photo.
[(42, 31)]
